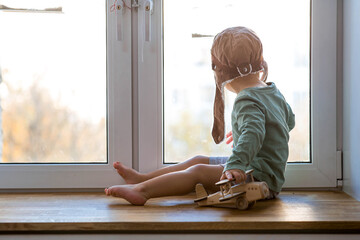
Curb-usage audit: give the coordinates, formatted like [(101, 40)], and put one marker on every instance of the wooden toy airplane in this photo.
[(241, 196)]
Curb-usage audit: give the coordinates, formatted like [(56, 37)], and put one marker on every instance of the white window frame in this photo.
[(119, 127), (321, 172)]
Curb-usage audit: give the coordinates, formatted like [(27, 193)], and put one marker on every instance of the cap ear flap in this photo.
[(218, 131)]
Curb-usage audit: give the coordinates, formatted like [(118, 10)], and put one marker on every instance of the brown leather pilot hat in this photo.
[(236, 52)]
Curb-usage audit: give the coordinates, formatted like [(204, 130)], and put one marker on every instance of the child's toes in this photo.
[(116, 164)]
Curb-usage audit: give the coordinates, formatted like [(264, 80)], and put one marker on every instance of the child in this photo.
[(261, 121)]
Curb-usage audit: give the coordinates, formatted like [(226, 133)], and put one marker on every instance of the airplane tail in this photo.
[(201, 193)]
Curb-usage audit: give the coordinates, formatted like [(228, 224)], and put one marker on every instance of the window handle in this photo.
[(145, 11), (120, 20), (148, 12), (119, 7)]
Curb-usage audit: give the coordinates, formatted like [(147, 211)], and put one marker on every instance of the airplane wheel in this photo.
[(242, 203)]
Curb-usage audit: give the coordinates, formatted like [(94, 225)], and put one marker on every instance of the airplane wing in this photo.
[(222, 182)]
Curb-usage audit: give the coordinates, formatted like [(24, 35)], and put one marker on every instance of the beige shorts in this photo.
[(222, 161)]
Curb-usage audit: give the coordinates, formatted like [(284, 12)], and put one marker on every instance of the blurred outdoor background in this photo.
[(53, 89), (189, 85)]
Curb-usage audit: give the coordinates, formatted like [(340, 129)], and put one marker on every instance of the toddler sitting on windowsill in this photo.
[(261, 121)]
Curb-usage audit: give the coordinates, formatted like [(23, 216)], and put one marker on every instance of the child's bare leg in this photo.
[(170, 184), (132, 176)]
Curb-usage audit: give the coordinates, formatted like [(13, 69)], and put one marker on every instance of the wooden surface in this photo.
[(84, 212)]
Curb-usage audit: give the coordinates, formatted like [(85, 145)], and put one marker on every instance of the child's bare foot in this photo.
[(128, 192), (130, 176)]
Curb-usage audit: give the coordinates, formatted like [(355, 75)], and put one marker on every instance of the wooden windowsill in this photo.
[(300, 211)]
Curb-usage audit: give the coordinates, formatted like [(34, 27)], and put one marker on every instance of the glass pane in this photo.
[(189, 86), (53, 89)]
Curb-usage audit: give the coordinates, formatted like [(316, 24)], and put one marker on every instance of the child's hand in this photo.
[(229, 138), (234, 174)]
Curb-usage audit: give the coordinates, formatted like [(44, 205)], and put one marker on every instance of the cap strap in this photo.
[(245, 70)]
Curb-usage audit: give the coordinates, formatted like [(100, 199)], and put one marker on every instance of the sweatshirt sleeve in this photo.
[(291, 118), (250, 126)]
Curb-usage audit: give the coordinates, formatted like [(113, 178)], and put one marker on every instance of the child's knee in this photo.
[(197, 169), (198, 172), (199, 159)]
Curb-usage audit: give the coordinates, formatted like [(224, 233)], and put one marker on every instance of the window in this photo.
[(136, 68), (64, 100), (188, 94), (53, 90), (180, 38)]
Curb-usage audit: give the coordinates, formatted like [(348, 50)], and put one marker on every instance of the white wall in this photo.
[(351, 97)]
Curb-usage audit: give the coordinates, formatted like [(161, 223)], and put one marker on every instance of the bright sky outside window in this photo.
[(53, 89), (189, 87)]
